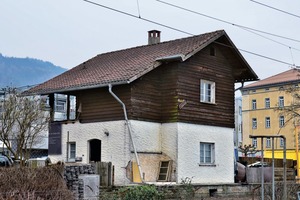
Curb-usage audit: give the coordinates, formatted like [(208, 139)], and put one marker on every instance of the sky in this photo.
[(69, 32)]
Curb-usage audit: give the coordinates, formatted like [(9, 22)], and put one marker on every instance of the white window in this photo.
[(267, 102), (207, 153), (281, 101), (281, 142), (72, 151), (254, 123), (268, 143), (207, 91), (253, 104), (254, 142), (268, 122), (281, 121)]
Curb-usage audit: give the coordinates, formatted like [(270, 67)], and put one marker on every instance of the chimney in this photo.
[(153, 37)]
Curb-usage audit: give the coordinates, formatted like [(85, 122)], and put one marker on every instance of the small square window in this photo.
[(207, 153), (207, 91)]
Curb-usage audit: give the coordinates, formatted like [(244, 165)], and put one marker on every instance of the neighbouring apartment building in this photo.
[(264, 113), (238, 137)]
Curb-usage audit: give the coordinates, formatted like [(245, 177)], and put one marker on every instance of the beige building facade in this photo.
[(264, 113)]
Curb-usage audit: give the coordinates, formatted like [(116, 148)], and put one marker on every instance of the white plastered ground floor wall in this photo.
[(178, 141)]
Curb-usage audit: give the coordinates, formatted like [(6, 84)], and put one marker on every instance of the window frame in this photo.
[(207, 91), (254, 104), (267, 102), (72, 151), (254, 123), (254, 142), (281, 142), (204, 147), (281, 121), (268, 122), (281, 101), (268, 142)]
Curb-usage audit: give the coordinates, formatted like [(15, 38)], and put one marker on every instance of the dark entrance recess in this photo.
[(95, 150)]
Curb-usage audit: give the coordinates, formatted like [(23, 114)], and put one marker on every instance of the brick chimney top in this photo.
[(153, 37)]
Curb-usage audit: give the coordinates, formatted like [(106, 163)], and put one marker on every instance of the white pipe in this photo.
[(129, 129)]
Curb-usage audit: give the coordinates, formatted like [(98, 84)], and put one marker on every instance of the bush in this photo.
[(37, 183), (144, 192)]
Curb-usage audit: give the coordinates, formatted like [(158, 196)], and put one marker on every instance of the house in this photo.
[(264, 103), (160, 112)]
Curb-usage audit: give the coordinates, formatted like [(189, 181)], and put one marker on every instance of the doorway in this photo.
[(95, 150)]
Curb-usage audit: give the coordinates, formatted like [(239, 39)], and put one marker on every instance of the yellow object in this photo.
[(136, 173)]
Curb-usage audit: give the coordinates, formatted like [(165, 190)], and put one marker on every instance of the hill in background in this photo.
[(17, 72)]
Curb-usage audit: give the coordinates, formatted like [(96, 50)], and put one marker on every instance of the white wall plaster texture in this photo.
[(146, 136), (114, 148), (189, 138), (179, 141)]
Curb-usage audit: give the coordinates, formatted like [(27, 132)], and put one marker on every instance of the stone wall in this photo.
[(71, 176)]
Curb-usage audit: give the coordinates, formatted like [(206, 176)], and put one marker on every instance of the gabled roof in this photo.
[(125, 66), (289, 76)]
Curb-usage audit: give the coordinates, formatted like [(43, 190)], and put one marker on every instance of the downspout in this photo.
[(129, 129)]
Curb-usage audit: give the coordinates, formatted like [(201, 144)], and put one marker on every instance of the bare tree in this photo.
[(248, 149), (22, 123)]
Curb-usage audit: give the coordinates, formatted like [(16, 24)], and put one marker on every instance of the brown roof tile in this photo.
[(292, 75), (123, 66)]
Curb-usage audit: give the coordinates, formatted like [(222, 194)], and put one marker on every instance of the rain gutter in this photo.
[(129, 129)]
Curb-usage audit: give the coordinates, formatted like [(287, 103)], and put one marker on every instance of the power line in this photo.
[(276, 9), (150, 21), (144, 19), (259, 55), (227, 22)]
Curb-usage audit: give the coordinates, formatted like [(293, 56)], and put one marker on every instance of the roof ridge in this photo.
[(160, 43)]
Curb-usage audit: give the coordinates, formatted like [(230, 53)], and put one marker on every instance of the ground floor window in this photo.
[(207, 153), (72, 151)]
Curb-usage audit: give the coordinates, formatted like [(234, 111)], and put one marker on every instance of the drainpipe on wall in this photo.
[(129, 129)]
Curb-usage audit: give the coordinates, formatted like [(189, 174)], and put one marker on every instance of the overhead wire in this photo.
[(138, 17), (288, 13), (227, 22), (181, 31)]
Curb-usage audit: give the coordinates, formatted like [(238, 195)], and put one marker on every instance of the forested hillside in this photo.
[(17, 72)]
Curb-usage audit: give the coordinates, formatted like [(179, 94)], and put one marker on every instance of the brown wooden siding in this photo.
[(154, 95), (99, 105), (212, 68)]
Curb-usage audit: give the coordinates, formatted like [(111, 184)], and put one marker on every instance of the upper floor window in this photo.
[(267, 102), (281, 101), (240, 110), (253, 104), (254, 123), (207, 91), (281, 121), (207, 153), (268, 122)]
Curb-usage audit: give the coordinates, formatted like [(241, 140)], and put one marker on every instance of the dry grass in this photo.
[(37, 183)]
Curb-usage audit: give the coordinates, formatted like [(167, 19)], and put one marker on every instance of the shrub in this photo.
[(144, 192), (33, 183)]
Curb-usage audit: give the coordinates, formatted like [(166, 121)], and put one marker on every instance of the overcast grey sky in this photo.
[(68, 32)]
